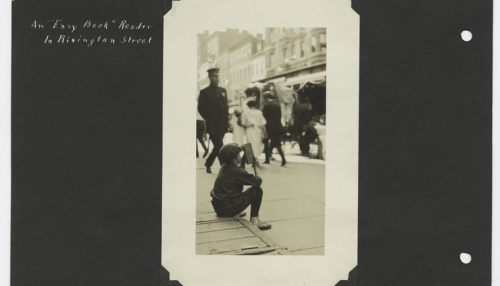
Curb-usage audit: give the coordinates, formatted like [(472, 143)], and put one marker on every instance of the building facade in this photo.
[(240, 61), (202, 47), (291, 56), (258, 61), (214, 50), (295, 55)]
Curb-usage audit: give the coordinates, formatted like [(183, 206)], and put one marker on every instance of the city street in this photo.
[(294, 201)]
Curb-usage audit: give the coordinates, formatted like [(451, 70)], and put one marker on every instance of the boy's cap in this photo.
[(228, 152)]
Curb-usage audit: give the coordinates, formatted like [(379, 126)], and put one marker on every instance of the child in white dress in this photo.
[(254, 122)]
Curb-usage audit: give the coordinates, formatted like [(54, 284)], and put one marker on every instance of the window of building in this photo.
[(302, 52), (314, 43), (271, 59), (284, 53)]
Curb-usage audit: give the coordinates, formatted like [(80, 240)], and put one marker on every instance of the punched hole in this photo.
[(466, 35), (465, 258)]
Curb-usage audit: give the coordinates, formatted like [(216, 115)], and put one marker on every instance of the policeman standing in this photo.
[(213, 107)]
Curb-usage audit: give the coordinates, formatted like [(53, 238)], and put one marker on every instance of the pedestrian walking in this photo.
[(301, 117), (254, 123), (310, 135), (228, 197), (200, 134), (213, 107), (238, 129), (274, 128)]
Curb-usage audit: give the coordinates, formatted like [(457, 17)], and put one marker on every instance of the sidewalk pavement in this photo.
[(293, 202)]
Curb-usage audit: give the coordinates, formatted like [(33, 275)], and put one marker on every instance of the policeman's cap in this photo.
[(213, 70)]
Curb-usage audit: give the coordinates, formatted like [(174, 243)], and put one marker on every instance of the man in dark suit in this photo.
[(213, 107), (274, 129)]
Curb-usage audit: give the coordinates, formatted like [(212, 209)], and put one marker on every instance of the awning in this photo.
[(314, 77), (315, 92)]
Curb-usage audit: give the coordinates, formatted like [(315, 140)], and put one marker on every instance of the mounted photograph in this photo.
[(260, 141), (252, 91)]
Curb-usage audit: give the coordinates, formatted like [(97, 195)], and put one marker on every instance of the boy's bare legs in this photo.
[(255, 208)]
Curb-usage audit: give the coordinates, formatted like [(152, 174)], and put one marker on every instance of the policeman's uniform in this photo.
[(213, 107)]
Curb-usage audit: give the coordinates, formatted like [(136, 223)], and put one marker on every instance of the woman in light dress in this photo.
[(254, 123)]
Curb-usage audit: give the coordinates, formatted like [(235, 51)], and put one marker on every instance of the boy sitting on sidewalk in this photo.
[(228, 198)]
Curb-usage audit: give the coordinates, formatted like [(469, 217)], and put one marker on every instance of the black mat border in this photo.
[(382, 59)]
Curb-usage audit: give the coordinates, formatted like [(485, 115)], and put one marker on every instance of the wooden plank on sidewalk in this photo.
[(221, 235), (258, 251), (263, 237), (218, 225), (227, 246), (210, 217)]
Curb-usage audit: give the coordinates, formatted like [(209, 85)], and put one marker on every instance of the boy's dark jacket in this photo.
[(230, 182)]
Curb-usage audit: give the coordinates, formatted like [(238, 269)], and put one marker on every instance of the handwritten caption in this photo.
[(75, 33)]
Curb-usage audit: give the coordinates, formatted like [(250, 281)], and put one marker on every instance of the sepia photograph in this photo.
[(252, 91), (260, 141)]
